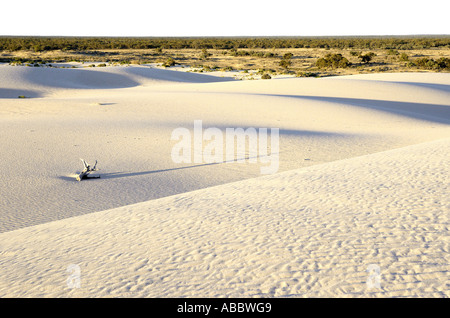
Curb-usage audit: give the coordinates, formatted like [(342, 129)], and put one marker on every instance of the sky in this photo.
[(225, 18)]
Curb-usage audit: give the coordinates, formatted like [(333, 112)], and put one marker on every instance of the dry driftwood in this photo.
[(87, 170)]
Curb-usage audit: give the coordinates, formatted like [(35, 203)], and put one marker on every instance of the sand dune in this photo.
[(362, 181), (46, 80), (311, 232)]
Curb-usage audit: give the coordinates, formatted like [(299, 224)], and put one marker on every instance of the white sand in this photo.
[(351, 201)]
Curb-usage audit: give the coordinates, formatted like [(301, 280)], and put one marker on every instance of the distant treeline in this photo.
[(39, 44)]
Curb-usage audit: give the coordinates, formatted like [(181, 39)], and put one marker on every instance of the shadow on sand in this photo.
[(282, 132), (18, 93), (422, 111), (125, 174)]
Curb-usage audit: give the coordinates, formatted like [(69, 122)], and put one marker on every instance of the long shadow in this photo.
[(77, 78), (95, 79), (175, 76), (282, 131), (15, 93), (430, 112), (441, 87), (114, 175), (124, 174)]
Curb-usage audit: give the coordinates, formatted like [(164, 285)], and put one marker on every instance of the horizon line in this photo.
[(236, 36)]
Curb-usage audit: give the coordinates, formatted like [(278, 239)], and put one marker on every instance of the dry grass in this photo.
[(303, 60)]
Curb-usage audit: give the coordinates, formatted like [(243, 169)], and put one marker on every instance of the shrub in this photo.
[(333, 61), (169, 62), (269, 55), (207, 68), (403, 57), (366, 58), (205, 55), (288, 56), (442, 64), (307, 74), (234, 52), (228, 68), (266, 76), (392, 52), (424, 62), (38, 48), (286, 61)]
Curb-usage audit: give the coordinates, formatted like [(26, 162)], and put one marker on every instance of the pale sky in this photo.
[(224, 18)]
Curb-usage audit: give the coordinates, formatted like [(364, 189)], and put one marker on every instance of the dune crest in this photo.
[(38, 81)]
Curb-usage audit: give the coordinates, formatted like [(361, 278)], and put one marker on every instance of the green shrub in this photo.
[(269, 55), (333, 61), (392, 52), (444, 63), (285, 63), (366, 58), (205, 54), (169, 62), (403, 57), (288, 56), (429, 64), (227, 68), (266, 76), (286, 60), (307, 74), (425, 63)]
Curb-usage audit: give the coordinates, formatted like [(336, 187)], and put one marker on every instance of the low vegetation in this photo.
[(430, 64), (333, 61), (169, 62), (302, 57), (366, 58), (40, 44), (286, 60)]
